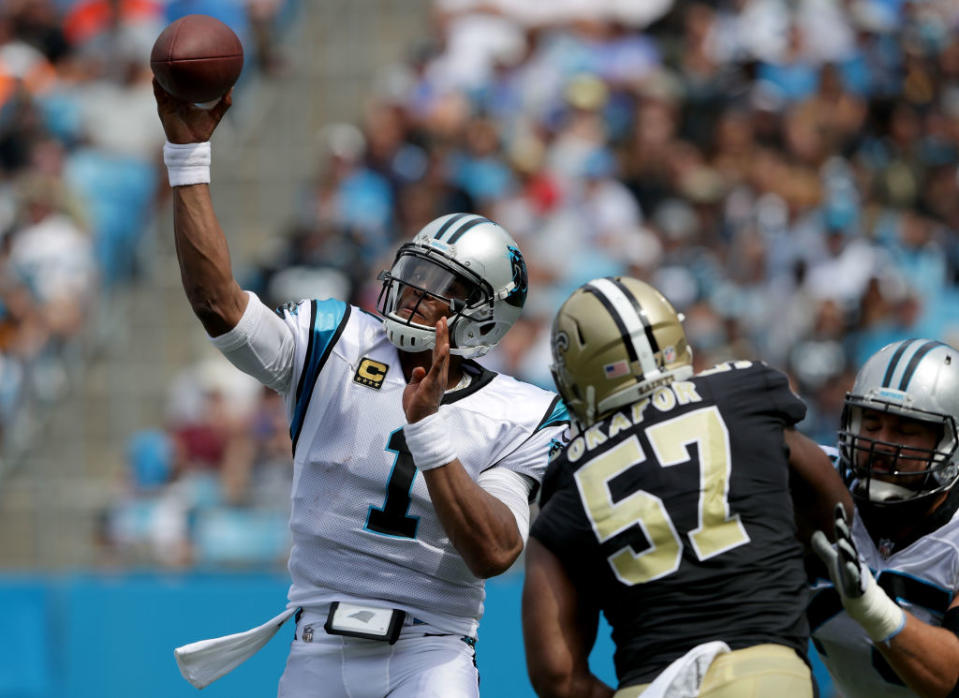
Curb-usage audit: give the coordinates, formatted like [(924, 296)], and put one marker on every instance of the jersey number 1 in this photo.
[(391, 519), (717, 532)]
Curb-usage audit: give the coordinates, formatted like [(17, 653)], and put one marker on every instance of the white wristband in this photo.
[(879, 616), (428, 441), (187, 163)]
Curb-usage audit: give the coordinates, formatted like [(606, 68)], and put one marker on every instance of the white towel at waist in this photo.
[(203, 662), (684, 676)]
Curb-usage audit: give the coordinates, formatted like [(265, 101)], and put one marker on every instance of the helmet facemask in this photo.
[(873, 469), (419, 274), (467, 262)]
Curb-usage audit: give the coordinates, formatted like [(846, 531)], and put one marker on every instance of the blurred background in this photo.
[(784, 171)]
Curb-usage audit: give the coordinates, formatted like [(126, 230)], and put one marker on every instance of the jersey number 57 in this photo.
[(717, 530)]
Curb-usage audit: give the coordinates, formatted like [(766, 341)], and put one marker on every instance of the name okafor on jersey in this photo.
[(922, 577), (362, 522), (674, 516)]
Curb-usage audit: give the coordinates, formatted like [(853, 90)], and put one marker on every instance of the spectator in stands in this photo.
[(53, 254)]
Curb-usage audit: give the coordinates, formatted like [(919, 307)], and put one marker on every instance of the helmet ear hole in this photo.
[(487, 328)]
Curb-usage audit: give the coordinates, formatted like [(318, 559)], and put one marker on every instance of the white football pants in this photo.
[(416, 666)]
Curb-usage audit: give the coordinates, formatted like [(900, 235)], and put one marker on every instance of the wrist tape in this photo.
[(879, 616), (428, 441), (187, 163)]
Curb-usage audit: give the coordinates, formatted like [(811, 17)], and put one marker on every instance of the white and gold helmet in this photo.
[(615, 340), (467, 261)]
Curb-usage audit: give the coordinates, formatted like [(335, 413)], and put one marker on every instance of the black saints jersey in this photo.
[(673, 516)]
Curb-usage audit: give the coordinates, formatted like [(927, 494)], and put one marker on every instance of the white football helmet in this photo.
[(467, 261), (615, 340), (917, 379)]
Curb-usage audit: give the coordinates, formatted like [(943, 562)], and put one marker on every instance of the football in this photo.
[(197, 58)]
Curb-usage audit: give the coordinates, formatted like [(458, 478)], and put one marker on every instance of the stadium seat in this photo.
[(225, 536), (118, 191), (149, 455)]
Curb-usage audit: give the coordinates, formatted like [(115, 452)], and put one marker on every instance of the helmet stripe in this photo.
[(640, 310), (630, 349), (448, 224), (628, 321), (894, 361), (914, 362), (466, 226)]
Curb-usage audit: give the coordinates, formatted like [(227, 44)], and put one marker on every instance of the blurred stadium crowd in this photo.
[(81, 176), (79, 172), (785, 172)]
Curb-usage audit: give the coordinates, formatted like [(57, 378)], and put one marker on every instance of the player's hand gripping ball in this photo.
[(197, 59)]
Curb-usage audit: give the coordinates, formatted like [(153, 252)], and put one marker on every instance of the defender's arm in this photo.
[(815, 485), (559, 629)]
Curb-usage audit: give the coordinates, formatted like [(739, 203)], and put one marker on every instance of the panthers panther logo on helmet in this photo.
[(517, 296)]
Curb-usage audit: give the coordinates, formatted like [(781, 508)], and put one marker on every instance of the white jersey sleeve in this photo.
[(513, 490), (528, 459), (286, 349), (260, 345), (523, 446)]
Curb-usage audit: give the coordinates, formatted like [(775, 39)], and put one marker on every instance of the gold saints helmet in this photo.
[(615, 340)]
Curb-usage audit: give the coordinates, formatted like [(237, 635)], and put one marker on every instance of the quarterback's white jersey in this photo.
[(363, 526), (922, 577)]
